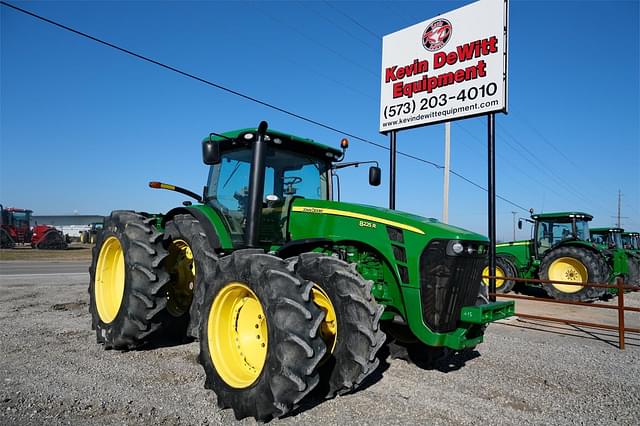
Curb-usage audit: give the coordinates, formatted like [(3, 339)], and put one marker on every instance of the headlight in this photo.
[(457, 248), (466, 248)]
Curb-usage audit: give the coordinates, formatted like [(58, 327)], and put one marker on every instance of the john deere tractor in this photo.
[(610, 240), (285, 289), (560, 250), (631, 241)]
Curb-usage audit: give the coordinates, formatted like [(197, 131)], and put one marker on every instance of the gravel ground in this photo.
[(52, 372)]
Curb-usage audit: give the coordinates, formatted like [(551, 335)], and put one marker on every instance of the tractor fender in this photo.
[(296, 247), (207, 225)]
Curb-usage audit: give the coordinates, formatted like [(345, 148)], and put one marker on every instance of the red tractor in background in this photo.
[(15, 229)]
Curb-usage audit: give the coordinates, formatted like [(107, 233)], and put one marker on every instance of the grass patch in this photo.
[(75, 251)]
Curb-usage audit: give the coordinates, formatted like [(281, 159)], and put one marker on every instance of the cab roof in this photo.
[(17, 210), (562, 215), (606, 229), (244, 137)]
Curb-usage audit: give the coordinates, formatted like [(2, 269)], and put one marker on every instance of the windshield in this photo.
[(611, 239), (582, 230), (616, 239), (551, 232), (288, 174), (21, 219), (630, 241)]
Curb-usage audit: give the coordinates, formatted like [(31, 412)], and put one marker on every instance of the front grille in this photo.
[(448, 283)]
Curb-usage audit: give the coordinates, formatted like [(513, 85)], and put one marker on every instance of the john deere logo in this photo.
[(436, 35)]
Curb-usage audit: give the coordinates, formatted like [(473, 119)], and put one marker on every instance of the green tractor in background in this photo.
[(285, 289), (611, 241), (89, 236), (560, 250), (631, 241)]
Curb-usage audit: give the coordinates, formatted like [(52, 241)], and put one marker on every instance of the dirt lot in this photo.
[(53, 372)]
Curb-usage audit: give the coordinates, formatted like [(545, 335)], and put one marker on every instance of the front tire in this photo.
[(571, 263), (504, 268), (351, 330), (260, 341), (127, 288)]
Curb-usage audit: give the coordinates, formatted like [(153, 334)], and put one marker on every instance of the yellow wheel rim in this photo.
[(182, 269), (329, 327), (568, 269), (109, 280), (237, 335), (499, 273)]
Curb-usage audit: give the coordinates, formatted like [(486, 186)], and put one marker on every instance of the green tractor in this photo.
[(560, 250), (610, 240), (89, 236), (285, 289)]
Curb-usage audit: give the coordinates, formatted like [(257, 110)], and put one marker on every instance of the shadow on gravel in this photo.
[(317, 396), (528, 290), (427, 358), (609, 338), (540, 293), (167, 341), (421, 356)]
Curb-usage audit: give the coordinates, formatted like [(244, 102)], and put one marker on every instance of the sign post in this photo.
[(392, 170), (491, 202), (449, 67)]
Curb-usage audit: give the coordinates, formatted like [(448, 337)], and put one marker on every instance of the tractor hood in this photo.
[(336, 216)]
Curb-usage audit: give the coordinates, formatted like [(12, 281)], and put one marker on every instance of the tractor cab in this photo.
[(631, 241), (607, 238), (292, 168), (16, 224), (552, 229)]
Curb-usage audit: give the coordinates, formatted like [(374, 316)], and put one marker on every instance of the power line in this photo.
[(352, 20), (244, 96), (340, 27)]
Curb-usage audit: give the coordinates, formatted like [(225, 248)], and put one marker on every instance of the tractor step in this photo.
[(483, 314)]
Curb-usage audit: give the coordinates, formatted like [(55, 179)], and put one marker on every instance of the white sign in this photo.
[(445, 68)]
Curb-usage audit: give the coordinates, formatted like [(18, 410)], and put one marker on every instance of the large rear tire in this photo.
[(504, 268), (128, 284), (633, 268), (191, 259), (572, 263), (351, 329), (260, 342), (5, 240)]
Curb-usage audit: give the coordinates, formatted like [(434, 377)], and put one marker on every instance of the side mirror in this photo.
[(520, 224), (210, 152), (374, 176)]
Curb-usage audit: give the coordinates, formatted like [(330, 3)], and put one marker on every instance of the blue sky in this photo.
[(85, 127)]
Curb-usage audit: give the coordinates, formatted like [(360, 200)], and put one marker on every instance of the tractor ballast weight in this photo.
[(274, 276)]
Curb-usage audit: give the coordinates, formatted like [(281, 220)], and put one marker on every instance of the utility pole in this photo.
[(619, 196), (619, 216), (514, 225)]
